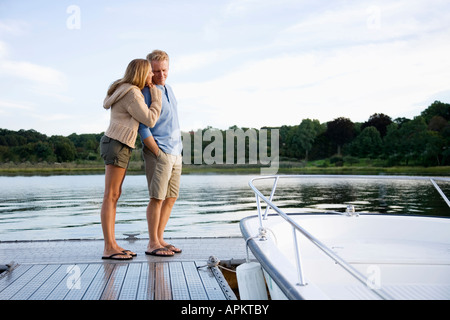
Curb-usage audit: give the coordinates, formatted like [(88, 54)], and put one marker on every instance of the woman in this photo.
[(128, 109)]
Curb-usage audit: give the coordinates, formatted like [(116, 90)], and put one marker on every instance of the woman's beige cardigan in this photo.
[(128, 109)]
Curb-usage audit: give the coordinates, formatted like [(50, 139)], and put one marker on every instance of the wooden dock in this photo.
[(74, 270)]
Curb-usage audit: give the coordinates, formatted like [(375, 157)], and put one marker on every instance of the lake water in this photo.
[(68, 207)]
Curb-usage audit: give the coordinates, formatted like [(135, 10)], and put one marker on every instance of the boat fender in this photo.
[(251, 282)]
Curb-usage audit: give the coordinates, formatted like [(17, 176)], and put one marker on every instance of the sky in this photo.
[(249, 63)]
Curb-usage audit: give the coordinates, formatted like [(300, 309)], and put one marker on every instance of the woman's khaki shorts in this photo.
[(115, 152), (163, 174)]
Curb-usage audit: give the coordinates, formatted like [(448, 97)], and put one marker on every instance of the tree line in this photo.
[(423, 140), (32, 146)]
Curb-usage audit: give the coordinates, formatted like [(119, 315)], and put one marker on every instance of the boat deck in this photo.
[(74, 270)]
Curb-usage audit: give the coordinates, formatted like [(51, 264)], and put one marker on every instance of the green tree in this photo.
[(437, 108), (379, 121), (44, 152), (290, 144), (413, 143), (437, 123), (63, 148), (87, 145), (307, 132), (340, 131), (367, 144)]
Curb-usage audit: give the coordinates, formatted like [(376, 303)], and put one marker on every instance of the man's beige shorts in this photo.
[(163, 174)]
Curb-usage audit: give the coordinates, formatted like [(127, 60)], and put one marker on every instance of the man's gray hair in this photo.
[(157, 55)]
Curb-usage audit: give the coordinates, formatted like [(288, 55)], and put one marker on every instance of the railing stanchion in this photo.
[(274, 187), (301, 277)]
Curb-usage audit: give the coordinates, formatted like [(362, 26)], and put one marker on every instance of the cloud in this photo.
[(243, 62), (11, 107), (336, 60), (242, 8), (13, 27), (204, 62), (39, 75), (364, 22), (57, 117), (34, 79), (354, 82), (239, 7), (3, 50), (187, 63)]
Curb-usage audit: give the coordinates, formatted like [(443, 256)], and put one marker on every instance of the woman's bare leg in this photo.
[(114, 177)]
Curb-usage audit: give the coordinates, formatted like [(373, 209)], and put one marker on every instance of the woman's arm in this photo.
[(144, 114)]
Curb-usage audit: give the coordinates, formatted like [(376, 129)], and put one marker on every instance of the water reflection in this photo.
[(376, 196), (68, 207)]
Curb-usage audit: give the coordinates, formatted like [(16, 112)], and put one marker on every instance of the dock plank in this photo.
[(41, 278), (195, 284), (87, 276), (146, 290), (115, 281), (98, 283), (212, 286), (21, 282), (178, 281), (162, 282), (131, 282), (74, 270), (70, 278), (8, 279), (48, 286)]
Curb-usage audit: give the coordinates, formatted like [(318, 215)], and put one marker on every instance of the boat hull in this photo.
[(406, 257)]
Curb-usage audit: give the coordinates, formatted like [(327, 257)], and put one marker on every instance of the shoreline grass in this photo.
[(136, 167)]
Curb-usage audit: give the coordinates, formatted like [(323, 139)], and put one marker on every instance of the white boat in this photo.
[(349, 255)]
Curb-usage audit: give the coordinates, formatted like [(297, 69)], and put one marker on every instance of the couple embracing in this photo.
[(141, 102)]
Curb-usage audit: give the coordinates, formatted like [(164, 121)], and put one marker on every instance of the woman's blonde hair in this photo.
[(136, 74)]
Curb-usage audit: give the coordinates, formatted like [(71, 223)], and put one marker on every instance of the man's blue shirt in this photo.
[(166, 131)]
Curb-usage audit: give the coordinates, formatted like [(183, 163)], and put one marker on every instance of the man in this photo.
[(162, 157)]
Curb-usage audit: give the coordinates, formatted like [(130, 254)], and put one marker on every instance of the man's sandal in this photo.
[(172, 248), (157, 252)]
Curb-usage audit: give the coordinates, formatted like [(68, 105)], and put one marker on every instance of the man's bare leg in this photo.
[(154, 214), (166, 210)]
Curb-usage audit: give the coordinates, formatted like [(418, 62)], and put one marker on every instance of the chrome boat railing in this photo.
[(296, 227)]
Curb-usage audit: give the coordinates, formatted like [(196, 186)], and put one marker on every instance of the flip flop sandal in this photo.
[(114, 256), (131, 253), (172, 248), (155, 253)]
